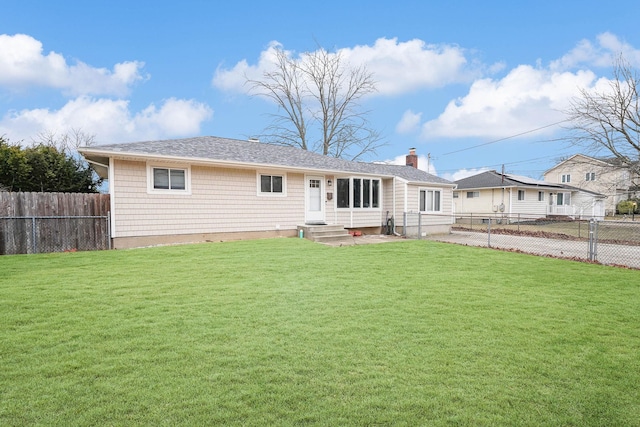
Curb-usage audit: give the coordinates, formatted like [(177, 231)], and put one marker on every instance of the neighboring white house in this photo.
[(511, 195), (603, 176), (210, 188)]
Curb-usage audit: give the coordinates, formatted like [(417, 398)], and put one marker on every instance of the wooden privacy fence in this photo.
[(53, 222)]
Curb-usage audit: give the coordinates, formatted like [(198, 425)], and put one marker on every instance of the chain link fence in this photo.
[(606, 242), (41, 234)]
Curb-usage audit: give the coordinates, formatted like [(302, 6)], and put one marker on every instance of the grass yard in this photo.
[(288, 332)]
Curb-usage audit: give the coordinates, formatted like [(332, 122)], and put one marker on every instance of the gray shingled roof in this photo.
[(250, 152), (492, 179)]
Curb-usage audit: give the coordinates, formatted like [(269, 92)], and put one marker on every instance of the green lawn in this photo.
[(288, 332)]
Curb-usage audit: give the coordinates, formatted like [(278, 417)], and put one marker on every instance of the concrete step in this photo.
[(336, 240), (335, 235)]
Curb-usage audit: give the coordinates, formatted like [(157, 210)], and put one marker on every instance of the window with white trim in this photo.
[(271, 184), (430, 200), (590, 176), (563, 199), (342, 189), (362, 193), (169, 179), (541, 196), (520, 195), (473, 194), (165, 179), (566, 178)]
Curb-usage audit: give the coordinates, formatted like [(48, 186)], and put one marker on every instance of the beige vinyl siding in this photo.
[(429, 222), (356, 218), (446, 202), (482, 204), (530, 205), (330, 205), (401, 196), (387, 200), (221, 200)]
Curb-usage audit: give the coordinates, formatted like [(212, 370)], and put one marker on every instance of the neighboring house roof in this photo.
[(212, 149), (604, 161), (493, 179)]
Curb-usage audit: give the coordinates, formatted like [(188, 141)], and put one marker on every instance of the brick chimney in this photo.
[(412, 159)]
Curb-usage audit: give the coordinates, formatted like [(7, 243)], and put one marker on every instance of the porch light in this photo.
[(328, 183)]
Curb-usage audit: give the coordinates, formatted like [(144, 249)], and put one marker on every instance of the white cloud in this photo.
[(400, 67), (601, 54), (409, 122), (526, 98), (397, 67), (234, 79), (110, 120), (463, 173), (23, 64)]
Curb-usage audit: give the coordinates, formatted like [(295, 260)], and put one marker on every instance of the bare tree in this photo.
[(318, 96), (609, 120), (67, 142)]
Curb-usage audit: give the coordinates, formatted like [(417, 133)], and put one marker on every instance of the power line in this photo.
[(506, 137), (501, 164)]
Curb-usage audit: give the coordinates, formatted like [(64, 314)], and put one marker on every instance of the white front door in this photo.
[(314, 212)]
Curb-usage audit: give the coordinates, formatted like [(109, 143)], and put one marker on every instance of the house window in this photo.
[(271, 184), (520, 194), (563, 199), (430, 200), (366, 193), (375, 193), (541, 196), (472, 194), (358, 193), (169, 179), (566, 178), (590, 176), (343, 192), (455, 194)]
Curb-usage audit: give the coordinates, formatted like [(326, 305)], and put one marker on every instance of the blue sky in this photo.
[(474, 84)]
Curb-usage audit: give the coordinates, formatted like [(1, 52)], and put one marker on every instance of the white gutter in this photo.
[(394, 205)]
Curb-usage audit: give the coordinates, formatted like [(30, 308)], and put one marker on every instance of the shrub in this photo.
[(628, 206)]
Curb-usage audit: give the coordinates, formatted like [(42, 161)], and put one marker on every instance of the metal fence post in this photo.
[(33, 235), (593, 240), (419, 226), (489, 233), (404, 224), (109, 229)]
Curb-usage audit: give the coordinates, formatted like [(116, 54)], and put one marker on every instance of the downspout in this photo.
[(395, 218), (394, 205), (112, 197), (404, 210)]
